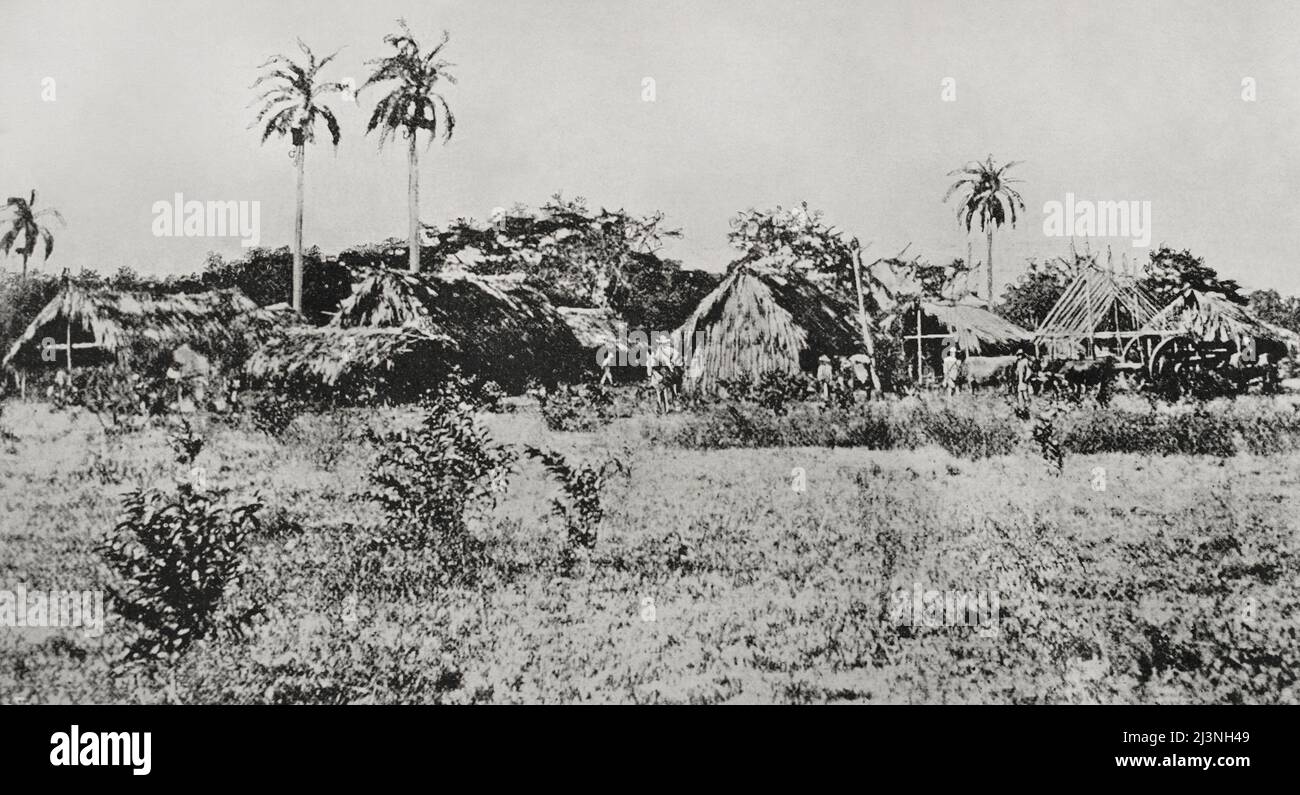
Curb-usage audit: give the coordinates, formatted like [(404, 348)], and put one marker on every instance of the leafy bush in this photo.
[(1270, 433), (973, 430), (773, 390), (582, 512), (877, 426), (777, 388), (1047, 438), (176, 558), (967, 436), (427, 480), (1195, 432), (6, 435), (582, 408), (186, 442), (273, 413), (115, 394)]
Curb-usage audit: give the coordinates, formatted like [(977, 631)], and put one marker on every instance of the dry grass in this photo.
[(761, 592)]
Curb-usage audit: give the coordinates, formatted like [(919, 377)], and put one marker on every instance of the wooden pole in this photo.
[(1087, 300), (69, 351), (918, 343)]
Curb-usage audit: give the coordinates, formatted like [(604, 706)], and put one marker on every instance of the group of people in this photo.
[(1021, 375), (840, 379)]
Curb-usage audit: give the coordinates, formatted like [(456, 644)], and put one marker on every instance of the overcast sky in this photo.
[(757, 104)]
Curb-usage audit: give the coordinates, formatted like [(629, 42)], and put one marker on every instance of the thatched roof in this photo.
[(1099, 304), (1211, 317), (973, 327), (501, 329), (136, 327), (763, 317), (396, 360), (594, 328)]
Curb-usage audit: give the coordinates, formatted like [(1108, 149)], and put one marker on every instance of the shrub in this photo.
[(176, 558), (1196, 432), (582, 408), (967, 436), (6, 435), (185, 442), (273, 413), (1047, 438), (877, 426), (1270, 433), (114, 394), (777, 388), (427, 480), (582, 512)]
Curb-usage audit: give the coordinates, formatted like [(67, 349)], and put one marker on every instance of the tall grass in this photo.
[(976, 429)]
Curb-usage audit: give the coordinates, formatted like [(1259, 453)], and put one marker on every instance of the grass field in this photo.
[(719, 575)]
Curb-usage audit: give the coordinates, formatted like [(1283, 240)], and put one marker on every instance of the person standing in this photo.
[(825, 377), (951, 371), (664, 366), (1024, 375), (606, 375)]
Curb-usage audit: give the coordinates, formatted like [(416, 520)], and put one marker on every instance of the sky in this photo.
[(756, 104)]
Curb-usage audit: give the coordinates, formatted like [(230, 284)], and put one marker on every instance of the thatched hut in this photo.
[(930, 327), (81, 327), (500, 328), (355, 363), (762, 317)]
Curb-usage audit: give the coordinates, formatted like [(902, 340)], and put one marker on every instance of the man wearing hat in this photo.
[(1024, 374), (951, 370), (664, 366), (825, 376)]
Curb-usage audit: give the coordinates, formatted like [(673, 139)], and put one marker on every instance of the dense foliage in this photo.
[(177, 557)]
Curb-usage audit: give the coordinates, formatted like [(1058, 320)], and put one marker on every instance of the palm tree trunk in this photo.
[(990, 233), (862, 320), (24, 267), (413, 200), (297, 234)]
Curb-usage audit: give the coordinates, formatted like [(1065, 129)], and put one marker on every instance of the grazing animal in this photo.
[(988, 371), (1079, 375)]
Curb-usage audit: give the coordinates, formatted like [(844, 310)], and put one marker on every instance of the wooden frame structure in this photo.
[(1098, 305)]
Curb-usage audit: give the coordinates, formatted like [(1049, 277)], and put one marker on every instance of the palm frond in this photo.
[(333, 125)]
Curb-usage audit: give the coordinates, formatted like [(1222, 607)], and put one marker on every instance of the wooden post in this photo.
[(918, 343), (69, 351), (1087, 300)]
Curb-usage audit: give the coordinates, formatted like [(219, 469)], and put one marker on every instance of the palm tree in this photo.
[(989, 198), (412, 104), (25, 221), (292, 106)]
